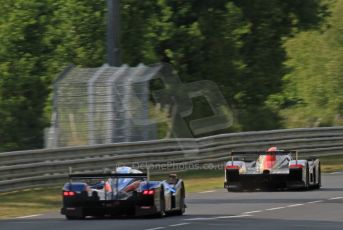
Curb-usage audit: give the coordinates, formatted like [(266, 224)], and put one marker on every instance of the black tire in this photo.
[(161, 213), (182, 202), (75, 217), (307, 182), (239, 188), (319, 184)]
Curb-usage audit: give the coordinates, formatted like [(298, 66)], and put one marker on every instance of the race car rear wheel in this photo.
[(237, 188), (319, 184), (307, 182), (182, 202), (75, 217), (161, 212)]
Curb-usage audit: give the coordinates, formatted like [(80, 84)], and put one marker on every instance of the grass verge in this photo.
[(199, 180), (29, 202), (332, 163)]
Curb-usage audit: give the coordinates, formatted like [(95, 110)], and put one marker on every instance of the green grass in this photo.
[(29, 202), (332, 163), (37, 201), (200, 180)]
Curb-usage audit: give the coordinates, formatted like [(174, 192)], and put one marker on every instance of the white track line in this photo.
[(199, 218), (333, 173), (207, 191), (216, 218), (30, 216), (176, 225), (23, 222), (155, 228), (336, 198), (230, 217), (294, 205), (252, 212), (272, 209), (314, 202)]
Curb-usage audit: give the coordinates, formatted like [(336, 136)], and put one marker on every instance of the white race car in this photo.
[(271, 169)]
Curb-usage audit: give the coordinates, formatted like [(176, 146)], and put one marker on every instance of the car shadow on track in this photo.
[(267, 224), (253, 200), (332, 189)]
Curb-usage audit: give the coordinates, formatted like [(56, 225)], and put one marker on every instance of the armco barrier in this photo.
[(45, 167)]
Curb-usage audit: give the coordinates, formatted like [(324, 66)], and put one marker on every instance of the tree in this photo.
[(312, 94), (263, 53), (23, 79), (201, 39), (236, 43)]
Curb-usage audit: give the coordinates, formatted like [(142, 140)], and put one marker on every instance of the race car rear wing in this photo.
[(107, 175), (112, 191), (252, 155)]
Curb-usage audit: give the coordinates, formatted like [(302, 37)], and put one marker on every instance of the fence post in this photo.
[(53, 140), (90, 89)]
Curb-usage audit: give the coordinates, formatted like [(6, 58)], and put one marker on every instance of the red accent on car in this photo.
[(296, 166), (108, 187), (269, 161), (232, 167)]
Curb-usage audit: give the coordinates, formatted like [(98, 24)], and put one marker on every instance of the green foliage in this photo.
[(77, 33), (236, 43), (312, 95), (271, 21), (23, 86)]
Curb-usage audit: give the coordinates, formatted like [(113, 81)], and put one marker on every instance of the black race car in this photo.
[(125, 192)]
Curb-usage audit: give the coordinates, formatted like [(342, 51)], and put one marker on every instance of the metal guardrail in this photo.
[(65, 153), (28, 169)]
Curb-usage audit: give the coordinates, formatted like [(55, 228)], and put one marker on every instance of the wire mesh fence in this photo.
[(115, 104), (102, 105)]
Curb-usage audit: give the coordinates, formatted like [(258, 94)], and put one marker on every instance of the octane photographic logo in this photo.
[(177, 96), (171, 166), (175, 103)]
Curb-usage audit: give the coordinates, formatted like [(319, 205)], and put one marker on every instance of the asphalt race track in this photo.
[(317, 209)]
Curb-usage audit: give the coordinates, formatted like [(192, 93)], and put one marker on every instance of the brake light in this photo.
[(68, 193), (232, 167), (296, 166), (149, 192)]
